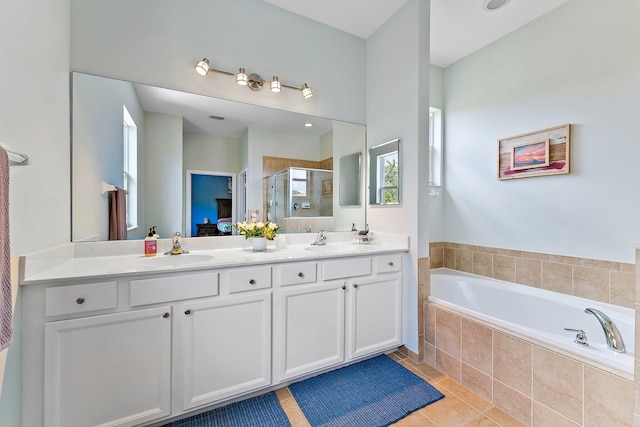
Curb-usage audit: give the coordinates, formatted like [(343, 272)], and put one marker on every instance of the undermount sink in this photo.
[(331, 249), (176, 260)]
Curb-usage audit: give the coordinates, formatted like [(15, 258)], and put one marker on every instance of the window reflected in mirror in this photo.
[(384, 173)]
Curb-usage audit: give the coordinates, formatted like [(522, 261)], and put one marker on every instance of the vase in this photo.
[(259, 244)]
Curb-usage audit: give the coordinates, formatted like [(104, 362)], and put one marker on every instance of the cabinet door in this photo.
[(108, 370), (227, 347), (374, 315), (311, 328)]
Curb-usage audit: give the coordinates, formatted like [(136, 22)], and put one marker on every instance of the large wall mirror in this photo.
[(384, 174), (151, 141)]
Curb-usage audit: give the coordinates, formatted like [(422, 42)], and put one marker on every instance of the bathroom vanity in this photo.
[(124, 340)]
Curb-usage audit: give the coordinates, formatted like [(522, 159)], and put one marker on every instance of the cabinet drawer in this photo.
[(349, 267), (248, 279), (387, 263), (80, 298), (298, 273), (163, 289)]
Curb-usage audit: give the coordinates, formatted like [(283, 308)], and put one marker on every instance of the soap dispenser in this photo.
[(151, 243)]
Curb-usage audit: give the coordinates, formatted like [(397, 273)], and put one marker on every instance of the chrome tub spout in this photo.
[(611, 332)]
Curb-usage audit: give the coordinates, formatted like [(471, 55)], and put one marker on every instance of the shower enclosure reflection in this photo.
[(301, 198)]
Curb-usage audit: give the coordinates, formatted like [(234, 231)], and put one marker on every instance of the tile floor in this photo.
[(460, 407)]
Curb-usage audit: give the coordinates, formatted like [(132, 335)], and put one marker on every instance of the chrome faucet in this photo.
[(321, 238), (611, 333), (176, 249)]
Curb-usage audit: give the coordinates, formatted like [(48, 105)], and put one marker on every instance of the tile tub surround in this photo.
[(604, 281), (533, 384)]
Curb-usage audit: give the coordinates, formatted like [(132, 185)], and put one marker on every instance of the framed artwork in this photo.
[(327, 187), (539, 153)]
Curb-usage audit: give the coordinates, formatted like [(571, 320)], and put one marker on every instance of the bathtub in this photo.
[(537, 315)]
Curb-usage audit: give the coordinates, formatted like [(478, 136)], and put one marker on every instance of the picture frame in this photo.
[(551, 148), (327, 187)]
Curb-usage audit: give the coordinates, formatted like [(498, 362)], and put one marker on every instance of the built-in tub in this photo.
[(536, 314)]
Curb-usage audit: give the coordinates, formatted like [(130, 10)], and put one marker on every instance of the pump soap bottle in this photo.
[(151, 243)]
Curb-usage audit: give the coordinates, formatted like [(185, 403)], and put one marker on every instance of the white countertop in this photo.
[(70, 262)]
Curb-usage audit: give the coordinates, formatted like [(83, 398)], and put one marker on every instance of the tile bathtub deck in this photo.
[(460, 407)]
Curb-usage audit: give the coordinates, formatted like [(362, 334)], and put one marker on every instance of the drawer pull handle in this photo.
[(80, 300), (390, 263), (301, 275), (252, 282), (355, 285), (187, 312), (166, 315)]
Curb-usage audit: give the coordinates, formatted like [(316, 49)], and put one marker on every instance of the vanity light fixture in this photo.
[(252, 81)]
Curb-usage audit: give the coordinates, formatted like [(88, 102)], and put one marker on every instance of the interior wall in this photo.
[(163, 174), (402, 111), (211, 153), (158, 42), (578, 64), (436, 205), (34, 119)]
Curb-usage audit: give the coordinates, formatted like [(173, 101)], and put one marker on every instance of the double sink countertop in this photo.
[(97, 260)]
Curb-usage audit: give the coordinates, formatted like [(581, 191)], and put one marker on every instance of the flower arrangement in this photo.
[(257, 229)]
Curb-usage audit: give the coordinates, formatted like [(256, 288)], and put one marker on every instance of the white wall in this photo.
[(578, 64), (402, 111), (98, 149), (163, 173), (211, 153), (436, 205), (158, 42), (34, 119)]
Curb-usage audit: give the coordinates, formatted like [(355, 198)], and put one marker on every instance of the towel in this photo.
[(118, 214), (6, 311)]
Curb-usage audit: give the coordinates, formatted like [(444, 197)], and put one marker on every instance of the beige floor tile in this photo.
[(481, 421), (502, 418), (283, 394), (450, 412), (295, 415), (415, 419), (466, 395), (397, 356), (432, 374)]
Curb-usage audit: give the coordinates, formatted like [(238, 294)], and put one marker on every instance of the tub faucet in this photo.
[(321, 238), (176, 249), (611, 333)]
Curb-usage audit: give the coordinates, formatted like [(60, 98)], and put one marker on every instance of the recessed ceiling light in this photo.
[(491, 5), (308, 125)]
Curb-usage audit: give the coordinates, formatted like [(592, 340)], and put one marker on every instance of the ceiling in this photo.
[(458, 27)]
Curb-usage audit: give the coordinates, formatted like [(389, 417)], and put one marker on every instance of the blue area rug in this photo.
[(260, 411), (376, 392)]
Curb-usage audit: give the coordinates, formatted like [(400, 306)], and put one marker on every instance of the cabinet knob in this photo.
[(80, 300), (390, 263), (166, 315), (252, 282), (344, 287), (355, 285), (301, 275), (187, 312)]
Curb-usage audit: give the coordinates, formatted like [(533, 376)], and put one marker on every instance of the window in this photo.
[(130, 167), (388, 177), (435, 147), (299, 183)]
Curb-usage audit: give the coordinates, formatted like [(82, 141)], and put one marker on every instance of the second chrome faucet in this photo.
[(611, 332)]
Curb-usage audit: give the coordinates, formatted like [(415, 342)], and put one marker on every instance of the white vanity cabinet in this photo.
[(113, 369), (352, 310), (226, 342)]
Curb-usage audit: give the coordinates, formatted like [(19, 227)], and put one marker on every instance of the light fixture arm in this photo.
[(252, 80)]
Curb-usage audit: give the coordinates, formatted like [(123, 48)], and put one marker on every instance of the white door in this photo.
[(374, 315), (108, 370), (227, 347), (311, 328)]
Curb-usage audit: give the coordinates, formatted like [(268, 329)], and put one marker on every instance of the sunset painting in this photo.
[(530, 155)]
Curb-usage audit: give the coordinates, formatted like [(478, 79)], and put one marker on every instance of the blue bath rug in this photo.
[(260, 411), (376, 392)]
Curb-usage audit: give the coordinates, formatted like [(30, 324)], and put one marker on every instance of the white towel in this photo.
[(6, 311)]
